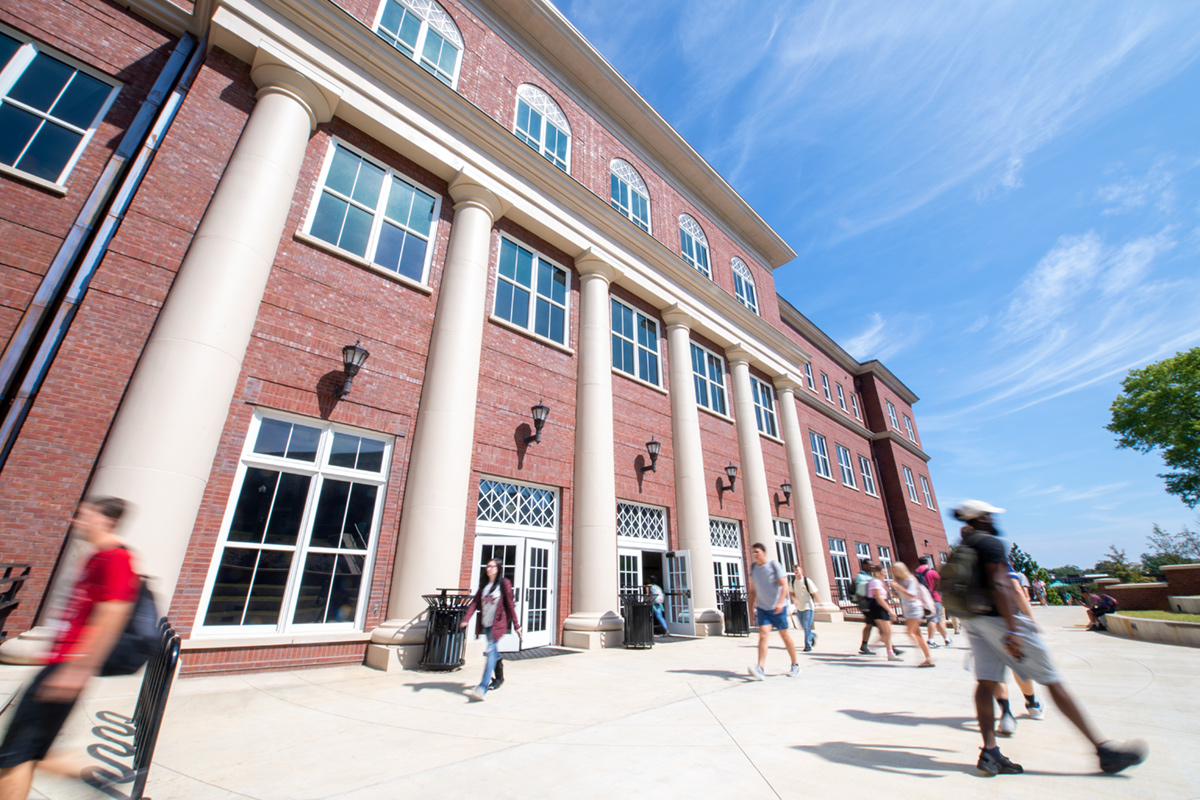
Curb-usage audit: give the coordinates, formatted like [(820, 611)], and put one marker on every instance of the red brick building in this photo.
[(202, 207)]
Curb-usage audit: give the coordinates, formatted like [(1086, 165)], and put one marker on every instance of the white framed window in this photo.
[(743, 285), (846, 464), (635, 343), (531, 292), (629, 194), (298, 539), (764, 406), (925, 490), (841, 567), (891, 412), (908, 428), (542, 125), (693, 244), (368, 210), (862, 551), (841, 397), (423, 31), (825, 387), (808, 376), (885, 559), (854, 405), (945, 557), (50, 107), (911, 484), (868, 475), (725, 536), (820, 454), (708, 372), (785, 543)]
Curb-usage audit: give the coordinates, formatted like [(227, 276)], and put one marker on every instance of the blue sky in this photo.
[(1000, 200)]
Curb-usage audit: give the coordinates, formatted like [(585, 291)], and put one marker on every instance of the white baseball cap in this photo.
[(973, 509)]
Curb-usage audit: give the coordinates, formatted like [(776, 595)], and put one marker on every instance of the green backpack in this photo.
[(963, 593)]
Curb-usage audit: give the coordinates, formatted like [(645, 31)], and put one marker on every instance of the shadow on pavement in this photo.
[(916, 762), (723, 674), (459, 687), (910, 720)]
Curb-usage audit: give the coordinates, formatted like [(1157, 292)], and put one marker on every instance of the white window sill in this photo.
[(716, 414), (622, 373), (503, 323), (208, 642), (771, 438), (41, 183), (825, 477), (346, 255)]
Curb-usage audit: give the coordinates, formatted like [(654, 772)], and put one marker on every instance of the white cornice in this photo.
[(168, 16), (900, 440)]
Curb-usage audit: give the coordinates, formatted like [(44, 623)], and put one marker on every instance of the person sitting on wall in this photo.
[(1098, 606)]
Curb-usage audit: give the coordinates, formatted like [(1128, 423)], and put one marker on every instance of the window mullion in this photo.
[(378, 212)]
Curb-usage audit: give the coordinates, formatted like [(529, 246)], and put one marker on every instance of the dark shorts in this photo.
[(35, 724), (876, 612)]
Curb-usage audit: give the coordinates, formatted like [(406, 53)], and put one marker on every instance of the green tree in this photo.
[(1171, 548), (1022, 562), (1159, 409), (1066, 571), (1118, 566)]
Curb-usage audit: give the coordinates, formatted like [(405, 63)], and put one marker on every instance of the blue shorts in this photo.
[(769, 617)]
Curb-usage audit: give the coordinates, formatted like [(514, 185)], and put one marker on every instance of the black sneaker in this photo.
[(865, 651), (996, 763), (1116, 757)]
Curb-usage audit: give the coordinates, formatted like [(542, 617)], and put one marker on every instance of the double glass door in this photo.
[(528, 565), (681, 618)]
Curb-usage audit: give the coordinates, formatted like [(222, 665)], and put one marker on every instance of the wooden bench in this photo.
[(10, 583)]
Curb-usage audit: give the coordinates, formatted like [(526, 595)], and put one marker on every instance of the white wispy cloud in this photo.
[(883, 339), (1129, 192)]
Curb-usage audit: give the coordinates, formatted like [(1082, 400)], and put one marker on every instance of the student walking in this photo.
[(879, 610), (494, 601), (768, 594), (1001, 637), (804, 595), (96, 614), (913, 605), (930, 577)]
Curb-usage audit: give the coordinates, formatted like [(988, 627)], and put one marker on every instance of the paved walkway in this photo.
[(680, 720)]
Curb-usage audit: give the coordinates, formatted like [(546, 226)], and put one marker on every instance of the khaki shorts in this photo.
[(986, 635)]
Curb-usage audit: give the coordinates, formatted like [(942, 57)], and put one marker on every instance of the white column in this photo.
[(754, 474), (595, 620), (429, 547), (691, 496), (812, 544)]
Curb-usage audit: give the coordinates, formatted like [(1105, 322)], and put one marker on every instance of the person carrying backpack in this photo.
[(929, 578), (100, 605), (1002, 638)]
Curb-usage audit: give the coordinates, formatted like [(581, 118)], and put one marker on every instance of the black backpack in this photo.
[(964, 594), (140, 638)]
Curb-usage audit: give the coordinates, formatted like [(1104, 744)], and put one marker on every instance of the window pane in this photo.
[(420, 219), (8, 48), (648, 362), (447, 60), (51, 150), (541, 323), (16, 129), (41, 82), (314, 588), (524, 267), (327, 222), (370, 455), (303, 445), (360, 512), (366, 188), (331, 512), (343, 594), (273, 437), (410, 29), (288, 510), (356, 231), (83, 98), (648, 333), (266, 593), (254, 506), (623, 355), (344, 451), (558, 325), (508, 259), (389, 247), (399, 201), (343, 171), (232, 586), (412, 258)]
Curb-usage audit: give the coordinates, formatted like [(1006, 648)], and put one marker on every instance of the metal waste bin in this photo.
[(736, 612), (638, 610), (444, 636)]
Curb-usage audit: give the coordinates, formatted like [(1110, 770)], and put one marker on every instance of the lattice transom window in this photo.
[(641, 522), (542, 125), (629, 193), (743, 285), (515, 504), (693, 244), (723, 533), (422, 30)]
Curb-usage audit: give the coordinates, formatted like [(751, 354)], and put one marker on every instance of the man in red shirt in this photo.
[(96, 615), (930, 577)]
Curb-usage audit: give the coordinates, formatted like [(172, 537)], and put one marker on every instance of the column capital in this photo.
[(275, 73), (467, 189), (738, 354), (589, 264), (675, 316), (786, 383)]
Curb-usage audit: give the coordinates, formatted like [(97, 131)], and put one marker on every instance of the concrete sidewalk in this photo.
[(680, 720)]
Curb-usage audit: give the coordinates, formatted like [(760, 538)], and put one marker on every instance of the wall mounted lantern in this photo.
[(787, 495), (353, 357), (540, 413), (731, 471), (653, 447)]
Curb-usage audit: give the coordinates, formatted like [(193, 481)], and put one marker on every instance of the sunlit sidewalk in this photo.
[(680, 720)]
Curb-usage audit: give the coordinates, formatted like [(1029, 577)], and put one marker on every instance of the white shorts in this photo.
[(986, 635)]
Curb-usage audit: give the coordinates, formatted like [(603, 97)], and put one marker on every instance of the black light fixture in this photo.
[(540, 413), (353, 357), (653, 447), (731, 471), (787, 495)]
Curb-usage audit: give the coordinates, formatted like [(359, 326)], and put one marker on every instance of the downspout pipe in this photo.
[(141, 143)]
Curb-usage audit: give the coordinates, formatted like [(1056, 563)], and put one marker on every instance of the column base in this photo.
[(828, 612), (396, 645), (31, 647), (593, 640), (593, 630)]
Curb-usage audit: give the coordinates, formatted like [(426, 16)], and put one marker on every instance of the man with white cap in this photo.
[(1001, 637)]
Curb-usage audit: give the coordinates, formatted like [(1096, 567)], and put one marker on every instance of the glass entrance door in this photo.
[(527, 565), (680, 616)]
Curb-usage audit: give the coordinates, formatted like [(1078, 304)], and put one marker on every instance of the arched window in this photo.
[(743, 285), (629, 195), (694, 245), (542, 125), (423, 31)]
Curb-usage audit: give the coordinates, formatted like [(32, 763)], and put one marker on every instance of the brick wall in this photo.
[(1140, 596)]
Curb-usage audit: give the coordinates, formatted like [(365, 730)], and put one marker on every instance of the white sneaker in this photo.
[(894, 657), (1007, 726), (794, 672), (757, 673), (1036, 711), (474, 693), (949, 641)]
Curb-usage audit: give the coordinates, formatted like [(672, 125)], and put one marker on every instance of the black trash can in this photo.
[(638, 610), (736, 612), (444, 636)]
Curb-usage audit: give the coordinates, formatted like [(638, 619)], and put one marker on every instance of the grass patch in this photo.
[(1173, 616)]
